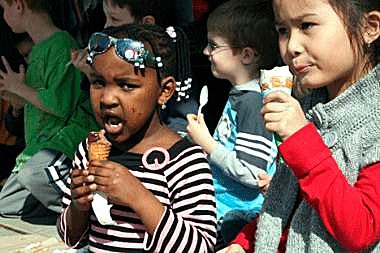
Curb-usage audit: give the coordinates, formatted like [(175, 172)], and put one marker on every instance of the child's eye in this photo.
[(127, 86), (306, 25), (97, 83), (211, 46), (281, 30)]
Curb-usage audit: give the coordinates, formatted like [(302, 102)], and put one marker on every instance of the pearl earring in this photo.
[(369, 43)]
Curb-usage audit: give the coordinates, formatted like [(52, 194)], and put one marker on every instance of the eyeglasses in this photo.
[(127, 49), (212, 46)]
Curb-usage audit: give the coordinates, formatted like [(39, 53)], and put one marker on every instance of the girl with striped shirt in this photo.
[(159, 185)]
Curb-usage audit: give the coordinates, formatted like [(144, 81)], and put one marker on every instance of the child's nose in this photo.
[(294, 44), (109, 98), (206, 51)]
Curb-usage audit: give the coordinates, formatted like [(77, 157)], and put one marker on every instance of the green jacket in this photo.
[(70, 116)]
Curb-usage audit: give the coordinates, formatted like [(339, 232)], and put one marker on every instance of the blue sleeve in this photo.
[(254, 144), (254, 151)]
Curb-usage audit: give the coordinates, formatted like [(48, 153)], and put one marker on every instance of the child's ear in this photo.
[(168, 86), (149, 19), (19, 5), (372, 26), (249, 55)]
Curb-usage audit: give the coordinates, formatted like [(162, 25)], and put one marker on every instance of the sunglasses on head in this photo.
[(127, 49)]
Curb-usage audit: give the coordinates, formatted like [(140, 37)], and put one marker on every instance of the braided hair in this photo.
[(171, 49)]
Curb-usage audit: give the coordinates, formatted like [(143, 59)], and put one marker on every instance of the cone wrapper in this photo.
[(99, 149), (276, 79), (102, 209)]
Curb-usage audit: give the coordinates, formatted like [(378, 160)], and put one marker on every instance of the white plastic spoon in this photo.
[(203, 98)]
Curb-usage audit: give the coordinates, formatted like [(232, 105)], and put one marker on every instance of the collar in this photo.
[(358, 100), (252, 85)]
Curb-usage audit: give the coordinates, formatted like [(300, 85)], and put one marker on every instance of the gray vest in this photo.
[(350, 127)]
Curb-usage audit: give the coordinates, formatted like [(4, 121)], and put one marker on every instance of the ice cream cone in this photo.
[(276, 79), (98, 146)]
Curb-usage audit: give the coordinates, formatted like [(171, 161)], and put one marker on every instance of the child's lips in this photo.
[(113, 128), (301, 68), (112, 124)]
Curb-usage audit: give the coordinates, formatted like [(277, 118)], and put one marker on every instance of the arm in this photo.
[(236, 168), (51, 84), (253, 152), (199, 133), (72, 224), (14, 83), (351, 213)]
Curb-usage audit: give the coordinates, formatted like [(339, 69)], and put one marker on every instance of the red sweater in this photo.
[(351, 214)]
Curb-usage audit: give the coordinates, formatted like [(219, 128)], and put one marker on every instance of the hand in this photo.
[(11, 81), (78, 59), (17, 102), (123, 188), (199, 133), (233, 248), (282, 114), (115, 180), (263, 182), (82, 189)]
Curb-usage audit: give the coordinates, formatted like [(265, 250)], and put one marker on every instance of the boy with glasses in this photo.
[(241, 41)]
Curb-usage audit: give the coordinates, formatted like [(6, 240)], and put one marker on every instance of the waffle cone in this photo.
[(98, 146), (99, 151)]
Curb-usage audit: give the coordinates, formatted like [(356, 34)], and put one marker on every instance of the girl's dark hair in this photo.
[(352, 13), (173, 50), (248, 23)]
